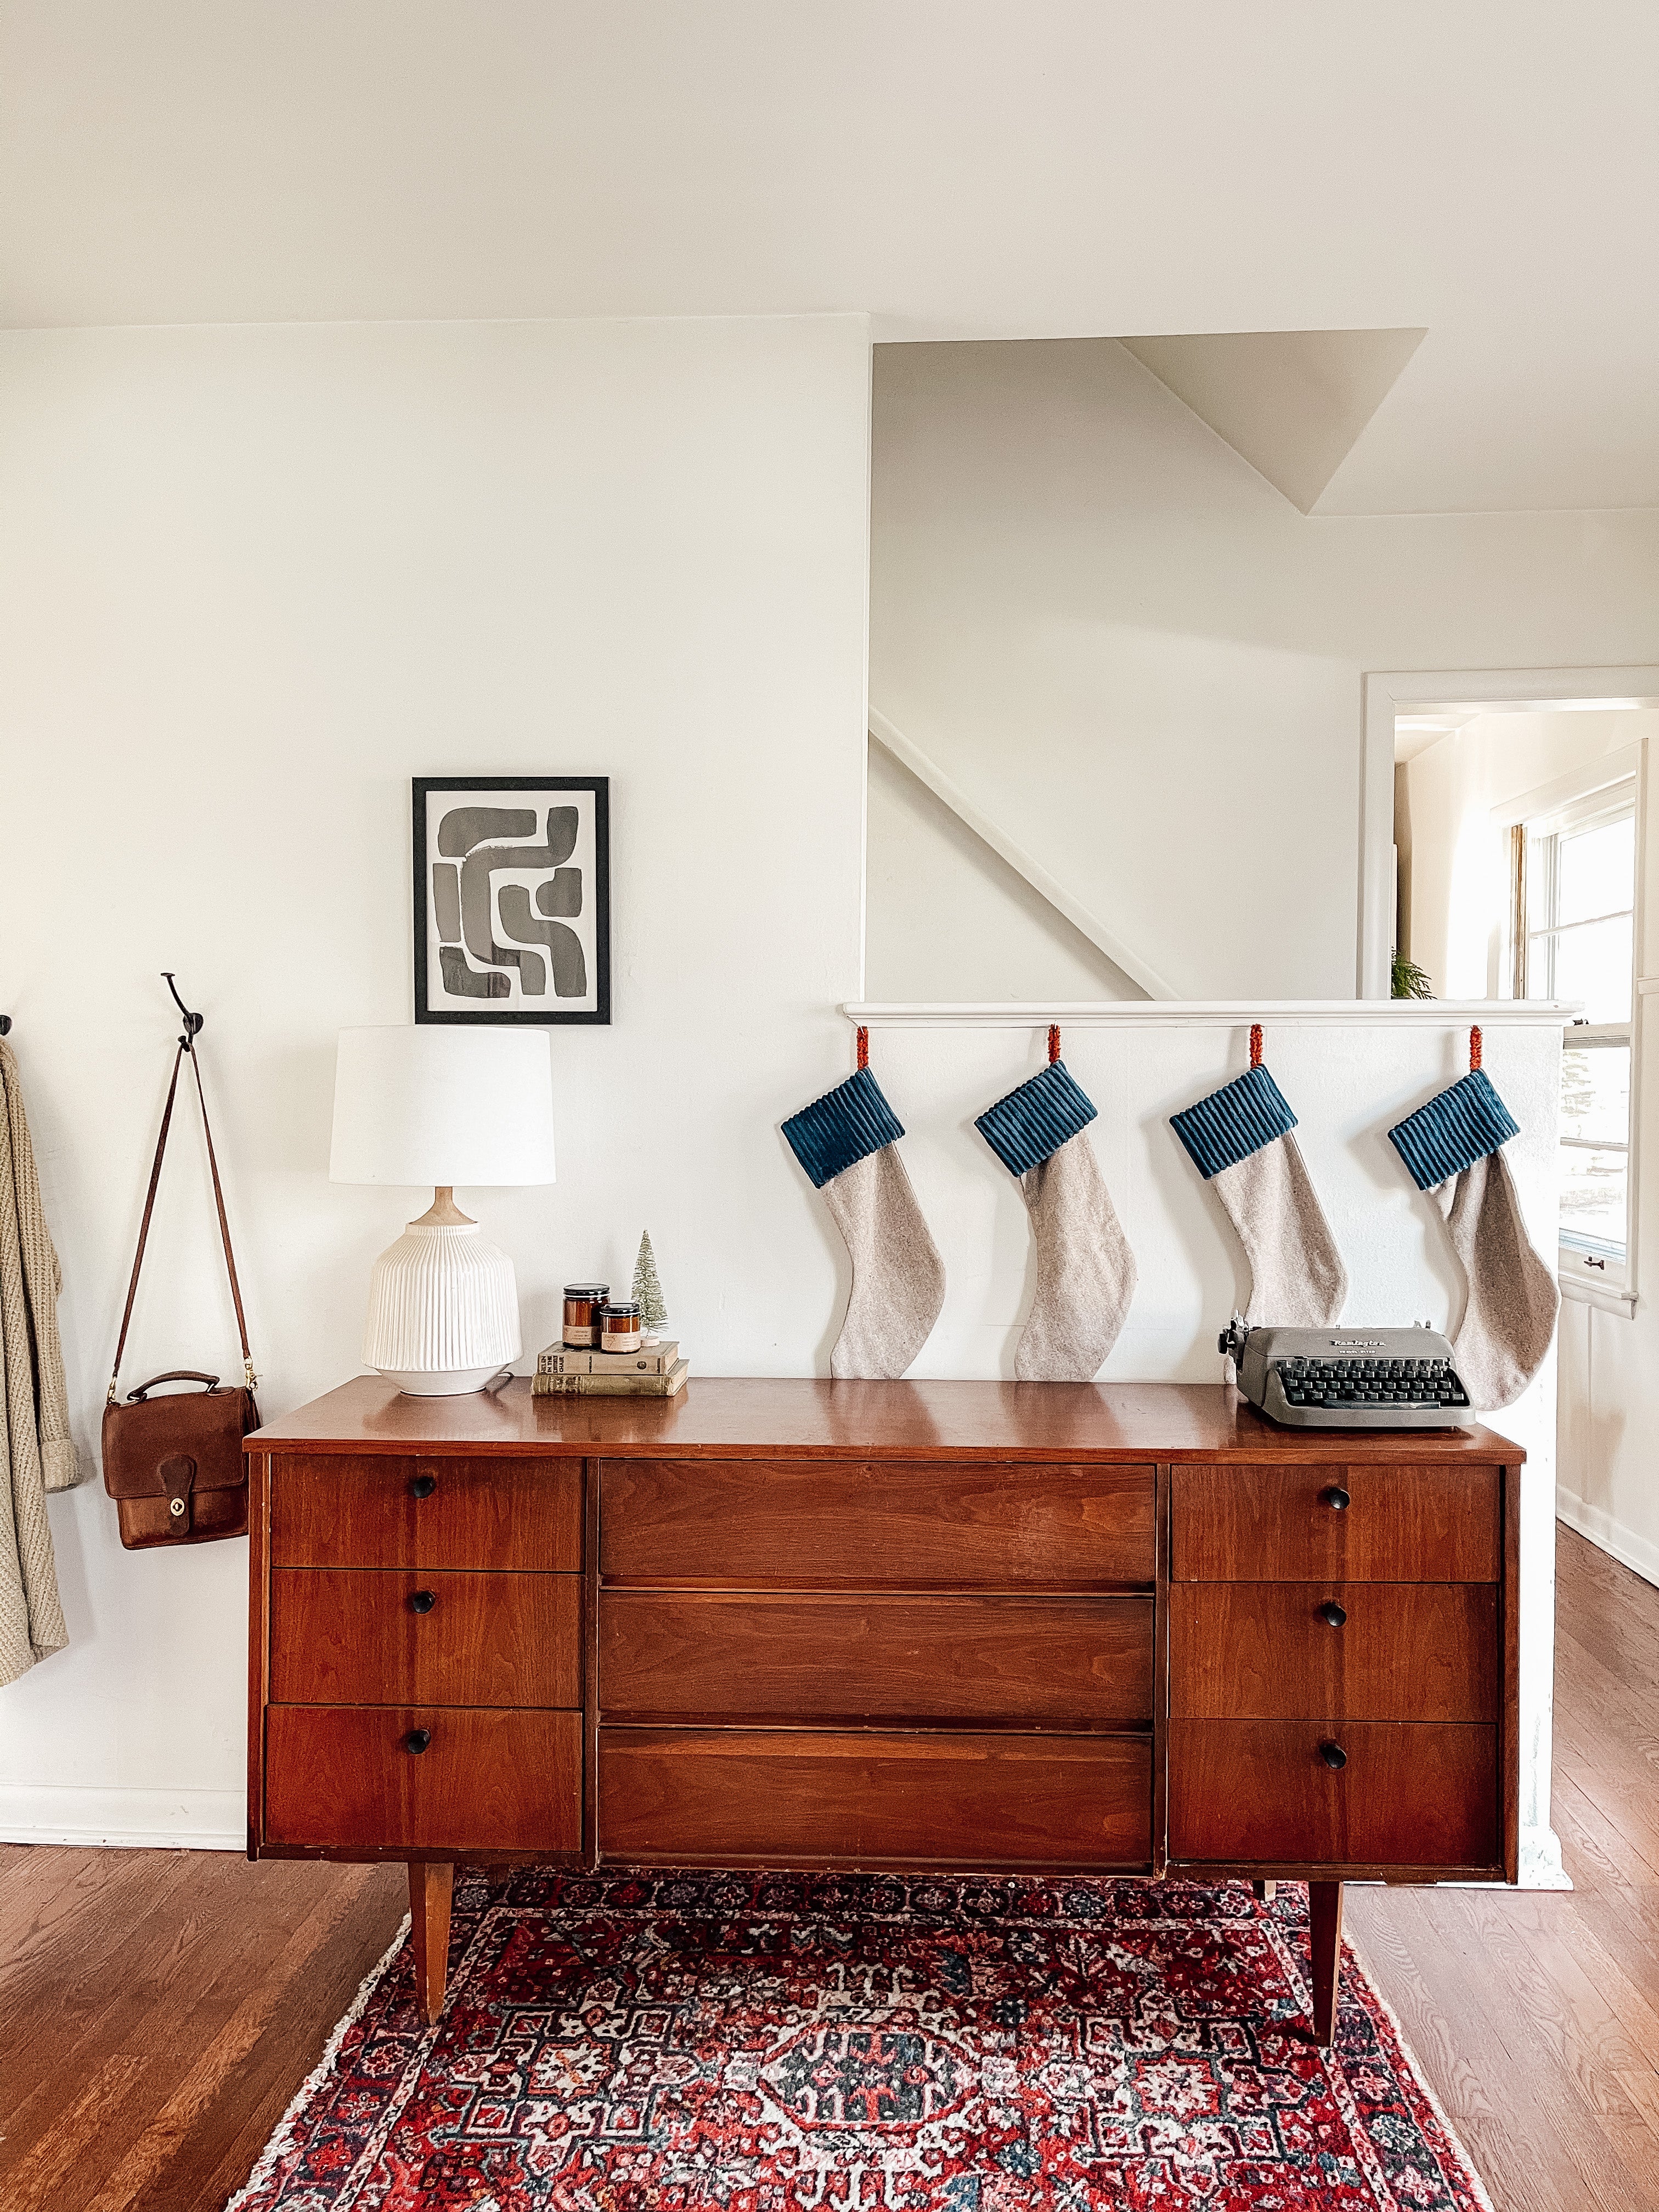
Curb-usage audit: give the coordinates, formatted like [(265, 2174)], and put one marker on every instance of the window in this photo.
[(1574, 934)]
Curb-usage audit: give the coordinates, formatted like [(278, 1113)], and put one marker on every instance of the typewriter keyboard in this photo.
[(1370, 1383)]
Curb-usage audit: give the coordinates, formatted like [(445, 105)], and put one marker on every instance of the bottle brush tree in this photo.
[(653, 1312)]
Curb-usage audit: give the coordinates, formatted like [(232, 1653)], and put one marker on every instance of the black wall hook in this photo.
[(193, 1022)]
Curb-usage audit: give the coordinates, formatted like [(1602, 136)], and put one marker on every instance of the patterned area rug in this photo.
[(765, 2043)]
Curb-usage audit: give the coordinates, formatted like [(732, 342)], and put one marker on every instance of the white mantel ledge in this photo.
[(1217, 1013)]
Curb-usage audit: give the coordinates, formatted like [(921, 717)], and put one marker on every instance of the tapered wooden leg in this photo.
[(430, 1887), (1265, 1891), (497, 1871), (1325, 1930)]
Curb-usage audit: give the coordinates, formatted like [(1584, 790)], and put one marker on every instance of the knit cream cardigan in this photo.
[(36, 1453)]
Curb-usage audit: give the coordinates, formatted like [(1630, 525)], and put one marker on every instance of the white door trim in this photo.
[(1488, 690)]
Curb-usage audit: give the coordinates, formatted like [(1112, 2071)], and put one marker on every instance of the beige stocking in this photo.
[(1085, 1271), (898, 1277), (1298, 1280), (1509, 1315)]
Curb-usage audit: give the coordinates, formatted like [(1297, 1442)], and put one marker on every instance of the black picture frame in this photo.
[(599, 789)]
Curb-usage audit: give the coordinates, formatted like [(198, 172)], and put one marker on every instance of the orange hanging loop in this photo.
[(864, 1048), (1256, 1044), (1474, 1050), (1053, 1043)]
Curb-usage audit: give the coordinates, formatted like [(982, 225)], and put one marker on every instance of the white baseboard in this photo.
[(1609, 1535), (141, 1820), (1540, 1866)]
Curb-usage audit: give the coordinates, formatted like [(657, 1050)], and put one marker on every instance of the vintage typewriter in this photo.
[(1349, 1378)]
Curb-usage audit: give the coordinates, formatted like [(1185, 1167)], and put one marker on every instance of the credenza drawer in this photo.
[(782, 1797), (405, 1636), (1077, 1662), (1377, 1651), (866, 1524), (1400, 1523), (346, 1777), (1244, 1793), (332, 1509)]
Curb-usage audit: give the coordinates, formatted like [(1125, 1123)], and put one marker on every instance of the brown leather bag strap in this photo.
[(224, 1224), (144, 1226), (150, 1208)]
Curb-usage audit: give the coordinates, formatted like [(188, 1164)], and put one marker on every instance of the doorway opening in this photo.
[(1518, 864)]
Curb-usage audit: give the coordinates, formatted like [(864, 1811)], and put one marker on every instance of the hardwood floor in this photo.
[(159, 2009), (1536, 2016)]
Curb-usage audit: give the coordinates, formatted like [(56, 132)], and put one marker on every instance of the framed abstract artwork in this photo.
[(512, 898)]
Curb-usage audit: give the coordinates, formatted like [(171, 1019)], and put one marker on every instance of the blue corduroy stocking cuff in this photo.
[(1454, 1131), (844, 1127), (1233, 1123), (1031, 1124)]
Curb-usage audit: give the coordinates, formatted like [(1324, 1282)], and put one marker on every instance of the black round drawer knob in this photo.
[(421, 1601), (1336, 1498), (417, 1739), (1330, 1613), (424, 1485), (1334, 1756)]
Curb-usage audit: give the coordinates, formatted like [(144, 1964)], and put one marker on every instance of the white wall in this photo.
[(1146, 665), (1348, 1084), (253, 578), (947, 917)]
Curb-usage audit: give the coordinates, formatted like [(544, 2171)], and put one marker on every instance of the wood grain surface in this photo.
[(431, 1894), (354, 1636), (874, 1524), (1325, 1955), (728, 1417), (523, 1514), (1536, 2015), (158, 2008), (1077, 1662), (342, 1775), (1430, 1520), (1418, 1651), (259, 1641), (1258, 1793), (1508, 1726), (782, 1797)]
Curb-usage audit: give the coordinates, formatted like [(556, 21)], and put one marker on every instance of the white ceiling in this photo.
[(1488, 172)]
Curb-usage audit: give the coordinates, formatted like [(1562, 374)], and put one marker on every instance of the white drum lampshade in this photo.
[(442, 1107)]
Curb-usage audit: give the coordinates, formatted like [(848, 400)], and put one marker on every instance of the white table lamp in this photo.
[(442, 1106)]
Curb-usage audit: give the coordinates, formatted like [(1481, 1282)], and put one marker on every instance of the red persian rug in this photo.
[(767, 2043)]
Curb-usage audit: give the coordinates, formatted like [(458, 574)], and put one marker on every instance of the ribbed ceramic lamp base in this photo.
[(443, 1311)]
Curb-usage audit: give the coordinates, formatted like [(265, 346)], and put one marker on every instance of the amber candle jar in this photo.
[(619, 1326), (583, 1303)]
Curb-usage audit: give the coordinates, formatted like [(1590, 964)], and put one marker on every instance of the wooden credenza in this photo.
[(1130, 1629)]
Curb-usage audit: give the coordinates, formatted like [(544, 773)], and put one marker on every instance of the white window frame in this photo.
[(1611, 787)]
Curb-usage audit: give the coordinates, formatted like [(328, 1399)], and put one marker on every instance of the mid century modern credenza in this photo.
[(1072, 1628)]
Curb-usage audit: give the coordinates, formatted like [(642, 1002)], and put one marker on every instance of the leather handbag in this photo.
[(175, 1464)]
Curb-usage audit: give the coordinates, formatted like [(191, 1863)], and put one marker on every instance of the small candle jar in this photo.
[(619, 1326), (583, 1304)]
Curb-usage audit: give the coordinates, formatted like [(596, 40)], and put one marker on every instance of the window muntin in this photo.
[(1581, 907), (1578, 898)]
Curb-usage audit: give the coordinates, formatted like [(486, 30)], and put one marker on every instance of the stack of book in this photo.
[(655, 1371)]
